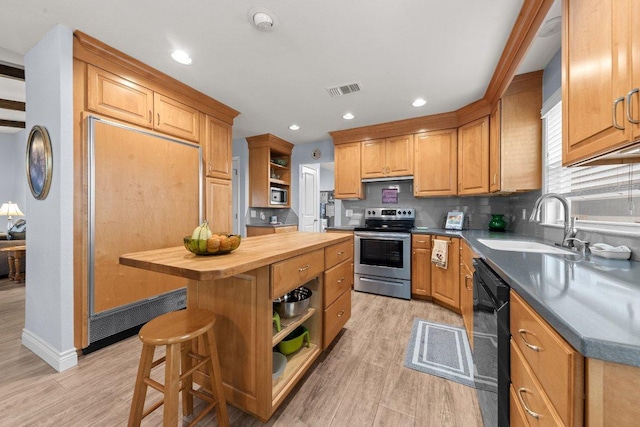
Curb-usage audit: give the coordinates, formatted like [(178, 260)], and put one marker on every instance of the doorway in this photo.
[(309, 199)]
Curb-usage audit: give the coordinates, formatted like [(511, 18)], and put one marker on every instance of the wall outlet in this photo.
[(253, 213), (262, 215)]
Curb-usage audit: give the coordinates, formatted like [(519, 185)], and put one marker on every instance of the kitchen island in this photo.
[(240, 287)]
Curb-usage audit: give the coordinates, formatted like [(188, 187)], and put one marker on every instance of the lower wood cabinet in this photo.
[(466, 288), (547, 374), (338, 282), (445, 286), (262, 230), (421, 266)]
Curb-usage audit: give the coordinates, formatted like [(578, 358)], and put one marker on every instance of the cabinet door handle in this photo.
[(158, 119), (150, 116), (340, 253), (629, 112), (615, 107), (495, 176), (522, 390), (522, 333), (340, 313), (467, 278), (340, 280), (306, 267)]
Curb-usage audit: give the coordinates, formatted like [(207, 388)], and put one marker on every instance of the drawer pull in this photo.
[(522, 333), (522, 390), (305, 268), (340, 313), (340, 280), (421, 241), (340, 253)]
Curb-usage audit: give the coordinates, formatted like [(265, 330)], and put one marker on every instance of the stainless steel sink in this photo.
[(523, 246)]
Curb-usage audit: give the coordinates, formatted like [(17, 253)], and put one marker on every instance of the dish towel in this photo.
[(439, 254)]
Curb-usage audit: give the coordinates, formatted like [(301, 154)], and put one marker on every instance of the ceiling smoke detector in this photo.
[(262, 19), (551, 27)]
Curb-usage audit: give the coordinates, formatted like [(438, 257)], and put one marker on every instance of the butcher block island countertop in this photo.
[(240, 287)]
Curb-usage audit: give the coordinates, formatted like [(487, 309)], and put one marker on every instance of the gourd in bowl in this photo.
[(203, 242)]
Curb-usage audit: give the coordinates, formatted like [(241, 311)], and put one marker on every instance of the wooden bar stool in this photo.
[(179, 331)]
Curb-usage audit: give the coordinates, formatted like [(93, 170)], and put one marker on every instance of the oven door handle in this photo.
[(384, 282), (384, 236)]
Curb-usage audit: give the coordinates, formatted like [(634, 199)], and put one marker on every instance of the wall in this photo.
[(552, 77), (48, 330), (13, 183)]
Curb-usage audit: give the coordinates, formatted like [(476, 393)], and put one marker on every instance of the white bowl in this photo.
[(279, 363)]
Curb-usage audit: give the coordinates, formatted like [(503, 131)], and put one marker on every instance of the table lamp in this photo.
[(9, 209)]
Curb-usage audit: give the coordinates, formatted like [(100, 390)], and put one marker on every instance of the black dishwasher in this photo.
[(491, 344)]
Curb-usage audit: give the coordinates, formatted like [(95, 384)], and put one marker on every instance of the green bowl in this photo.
[(222, 243), (293, 342)]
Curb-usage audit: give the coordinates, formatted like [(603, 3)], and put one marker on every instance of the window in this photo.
[(603, 198)]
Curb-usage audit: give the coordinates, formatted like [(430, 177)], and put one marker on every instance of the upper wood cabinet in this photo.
[(601, 78), (348, 179), (387, 157), (269, 166), (515, 150), (122, 99), (116, 97), (435, 171), (175, 118), (473, 157), (217, 148)]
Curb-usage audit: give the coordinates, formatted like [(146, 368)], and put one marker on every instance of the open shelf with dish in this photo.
[(288, 325)]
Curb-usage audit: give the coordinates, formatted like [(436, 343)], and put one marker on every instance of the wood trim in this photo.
[(11, 72), (399, 127), (524, 31), (271, 141), (12, 124), (525, 83), (93, 51), (8, 104)]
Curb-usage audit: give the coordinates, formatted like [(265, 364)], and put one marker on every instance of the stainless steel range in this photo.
[(383, 252)]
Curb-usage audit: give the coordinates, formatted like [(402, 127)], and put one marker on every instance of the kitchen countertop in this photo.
[(280, 224), (593, 302)]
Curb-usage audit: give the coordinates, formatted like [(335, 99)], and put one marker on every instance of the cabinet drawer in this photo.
[(337, 253), (517, 416), (116, 97), (467, 255), (337, 280), (336, 316), (294, 272), (528, 393), (421, 241), (553, 361)]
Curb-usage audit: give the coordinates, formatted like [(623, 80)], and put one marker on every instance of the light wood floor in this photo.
[(361, 381)]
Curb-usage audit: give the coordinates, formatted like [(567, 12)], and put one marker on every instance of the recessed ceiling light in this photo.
[(182, 57), (262, 19), (294, 127), (419, 102), (348, 116)]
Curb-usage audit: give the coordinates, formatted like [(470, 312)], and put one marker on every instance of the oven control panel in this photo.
[(390, 213)]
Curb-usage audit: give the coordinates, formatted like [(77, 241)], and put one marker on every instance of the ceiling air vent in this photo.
[(343, 89)]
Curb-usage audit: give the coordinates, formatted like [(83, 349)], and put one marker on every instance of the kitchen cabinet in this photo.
[(601, 77), (547, 374), (421, 266), (348, 179), (218, 198), (217, 148), (266, 229), (435, 171), (175, 118), (473, 157), (466, 288), (338, 282), (515, 150), (269, 166), (387, 157), (445, 286), (611, 393), (117, 97)]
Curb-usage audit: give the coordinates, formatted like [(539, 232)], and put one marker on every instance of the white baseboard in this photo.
[(59, 361)]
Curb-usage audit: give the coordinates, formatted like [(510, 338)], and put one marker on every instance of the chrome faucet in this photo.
[(569, 221)]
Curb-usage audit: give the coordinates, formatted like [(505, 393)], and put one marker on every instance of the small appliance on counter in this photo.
[(273, 220)]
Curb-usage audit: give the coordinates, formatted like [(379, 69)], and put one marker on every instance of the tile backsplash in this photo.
[(431, 212)]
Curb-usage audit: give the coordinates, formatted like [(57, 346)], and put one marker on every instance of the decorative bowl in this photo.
[(279, 363), (293, 303), (217, 244), (294, 341)]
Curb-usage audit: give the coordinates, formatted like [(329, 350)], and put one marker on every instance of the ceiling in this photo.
[(443, 51)]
